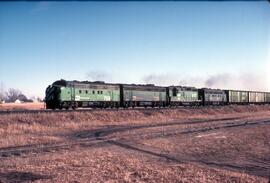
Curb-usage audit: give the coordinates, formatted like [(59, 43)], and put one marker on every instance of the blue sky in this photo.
[(187, 43)]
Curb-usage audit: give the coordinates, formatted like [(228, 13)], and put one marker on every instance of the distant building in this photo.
[(18, 101)]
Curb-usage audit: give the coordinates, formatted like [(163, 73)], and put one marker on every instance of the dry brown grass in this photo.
[(20, 129), (107, 162), (22, 106)]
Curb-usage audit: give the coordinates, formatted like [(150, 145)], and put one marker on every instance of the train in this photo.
[(63, 94)]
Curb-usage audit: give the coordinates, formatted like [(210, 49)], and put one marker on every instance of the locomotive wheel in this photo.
[(75, 105)]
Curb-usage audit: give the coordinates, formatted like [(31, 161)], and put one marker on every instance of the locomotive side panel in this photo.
[(179, 95), (143, 95)]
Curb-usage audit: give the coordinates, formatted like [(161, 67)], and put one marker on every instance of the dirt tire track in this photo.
[(100, 138), (37, 149), (259, 169), (102, 134), (99, 133)]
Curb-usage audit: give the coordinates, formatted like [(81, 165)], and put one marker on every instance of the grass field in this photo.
[(223, 144), (22, 106)]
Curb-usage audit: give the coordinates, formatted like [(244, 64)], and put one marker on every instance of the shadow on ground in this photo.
[(16, 176), (248, 167)]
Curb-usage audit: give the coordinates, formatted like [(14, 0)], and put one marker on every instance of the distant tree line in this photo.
[(14, 94)]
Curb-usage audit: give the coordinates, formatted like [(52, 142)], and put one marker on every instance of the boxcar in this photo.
[(142, 95), (65, 94), (179, 95), (237, 97), (267, 97), (256, 97), (212, 96)]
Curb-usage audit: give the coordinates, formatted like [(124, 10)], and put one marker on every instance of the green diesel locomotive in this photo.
[(73, 94)]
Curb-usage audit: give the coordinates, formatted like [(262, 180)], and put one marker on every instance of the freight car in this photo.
[(181, 96), (237, 97), (212, 96), (256, 97), (267, 98)]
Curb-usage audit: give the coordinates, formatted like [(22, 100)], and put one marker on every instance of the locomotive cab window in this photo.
[(93, 92), (101, 92), (80, 91), (86, 91)]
